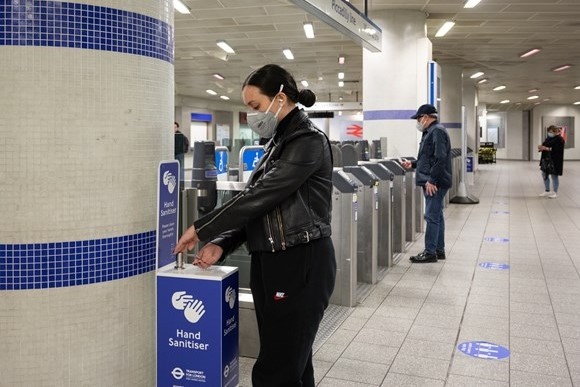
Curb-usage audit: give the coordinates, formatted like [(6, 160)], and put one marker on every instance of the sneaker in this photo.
[(554, 195), (423, 257), (545, 193), (441, 255)]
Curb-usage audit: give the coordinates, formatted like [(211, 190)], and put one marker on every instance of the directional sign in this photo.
[(494, 266), (484, 350), (496, 239)]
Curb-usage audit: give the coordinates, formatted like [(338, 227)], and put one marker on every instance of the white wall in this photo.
[(554, 111)]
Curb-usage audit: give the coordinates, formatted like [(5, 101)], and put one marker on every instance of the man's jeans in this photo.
[(435, 233)]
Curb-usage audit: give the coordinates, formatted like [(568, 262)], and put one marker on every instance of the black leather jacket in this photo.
[(287, 200)]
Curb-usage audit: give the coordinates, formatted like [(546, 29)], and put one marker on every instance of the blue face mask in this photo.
[(264, 123)]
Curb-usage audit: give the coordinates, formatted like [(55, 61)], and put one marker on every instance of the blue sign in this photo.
[(496, 239), (251, 158), (197, 327), (494, 265), (469, 163), (221, 161), (167, 211), (484, 350)]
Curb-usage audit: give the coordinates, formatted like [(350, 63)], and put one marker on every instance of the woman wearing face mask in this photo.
[(552, 148), (284, 216)]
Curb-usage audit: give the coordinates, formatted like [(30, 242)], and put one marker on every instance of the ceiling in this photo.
[(487, 38)]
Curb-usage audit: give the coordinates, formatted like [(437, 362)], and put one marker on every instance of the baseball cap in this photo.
[(425, 110)]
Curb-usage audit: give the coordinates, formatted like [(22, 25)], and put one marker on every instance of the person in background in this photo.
[(283, 215), (181, 145), (433, 173), (552, 148)]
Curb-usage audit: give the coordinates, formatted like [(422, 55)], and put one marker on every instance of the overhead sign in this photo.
[(167, 211), (346, 19), (483, 350)]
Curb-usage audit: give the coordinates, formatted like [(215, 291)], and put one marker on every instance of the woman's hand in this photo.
[(208, 255), (188, 240)]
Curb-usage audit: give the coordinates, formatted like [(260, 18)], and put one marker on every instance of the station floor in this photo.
[(408, 330)]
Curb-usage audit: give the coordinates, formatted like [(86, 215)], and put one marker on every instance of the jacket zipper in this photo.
[(271, 239), (221, 212), (280, 224)]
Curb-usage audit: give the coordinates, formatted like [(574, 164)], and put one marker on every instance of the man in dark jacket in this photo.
[(433, 173)]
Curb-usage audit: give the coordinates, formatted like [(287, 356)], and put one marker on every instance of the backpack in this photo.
[(185, 143)]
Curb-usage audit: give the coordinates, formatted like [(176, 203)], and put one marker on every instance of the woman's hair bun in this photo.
[(306, 97)]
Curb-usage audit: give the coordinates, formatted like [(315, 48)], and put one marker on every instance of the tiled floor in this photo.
[(407, 331)]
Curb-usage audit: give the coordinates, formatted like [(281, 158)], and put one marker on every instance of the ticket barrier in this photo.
[(344, 237), (398, 207), (410, 204), (419, 203), (367, 229), (385, 222)]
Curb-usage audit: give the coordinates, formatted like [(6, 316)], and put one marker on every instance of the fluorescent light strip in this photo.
[(533, 97), (226, 47), (341, 60), (530, 53), (444, 29), (483, 80), (304, 83), (288, 54), (209, 91), (533, 90), (505, 101), (180, 7), (564, 67), (577, 103), (308, 30), (498, 88), (476, 75), (218, 76), (577, 87), (340, 84), (225, 97), (471, 3), (340, 75)]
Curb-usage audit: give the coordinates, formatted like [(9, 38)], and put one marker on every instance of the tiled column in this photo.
[(87, 108)]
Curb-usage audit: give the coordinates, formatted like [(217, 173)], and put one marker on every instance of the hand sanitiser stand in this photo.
[(462, 196)]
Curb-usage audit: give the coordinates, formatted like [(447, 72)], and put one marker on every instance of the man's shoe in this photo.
[(423, 257), (441, 255)]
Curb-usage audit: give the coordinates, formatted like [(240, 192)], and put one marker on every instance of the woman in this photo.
[(284, 216), (552, 148)]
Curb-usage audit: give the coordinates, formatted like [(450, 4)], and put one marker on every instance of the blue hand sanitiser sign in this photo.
[(197, 326), (167, 211)]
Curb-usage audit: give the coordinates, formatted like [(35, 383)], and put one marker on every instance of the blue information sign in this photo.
[(221, 161), (494, 265), (469, 164), (167, 211), (496, 239), (484, 350), (197, 327), (251, 158)]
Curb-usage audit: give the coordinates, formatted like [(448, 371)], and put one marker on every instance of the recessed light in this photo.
[(309, 30), (340, 75), (498, 88), (533, 97), (340, 84), (476, 75), (304, 82), (320, 78), (563, 67), (340, 113), (483, 80), (505, 101), (218, 76), (445, 28), (225, 97), (226, 47), (340, 98), (471, 3), (533, 90), (577, 87), (180, 7), (530, 52), (209, 91), (341, 59), (577, 103), (288, 54)]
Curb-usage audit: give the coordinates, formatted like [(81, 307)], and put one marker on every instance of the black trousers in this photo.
[(291, 290)]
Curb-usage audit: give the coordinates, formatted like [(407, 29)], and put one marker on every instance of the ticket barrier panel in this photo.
[(344, 237), (398, 206), (367, 229), (385, 222), (419, 204), (410, 204)]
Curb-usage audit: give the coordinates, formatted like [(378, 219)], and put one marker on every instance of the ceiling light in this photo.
[(219, 76), (320, 78), (577, 87), (498, 88), (304, 83), (288, 54), (533, 90), (180, 7), (577, 103), (483, 80), (444, 29), (505, 101), (537, 103), (341, 59), (309, 30), (209, 91), (533, 97), (340, 113), (225, 97), (530, 53), (476, 75), (564, 67), (340, 84), (340, 75), (226, 47), (471, 3), (547, 99), (340, 98)]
